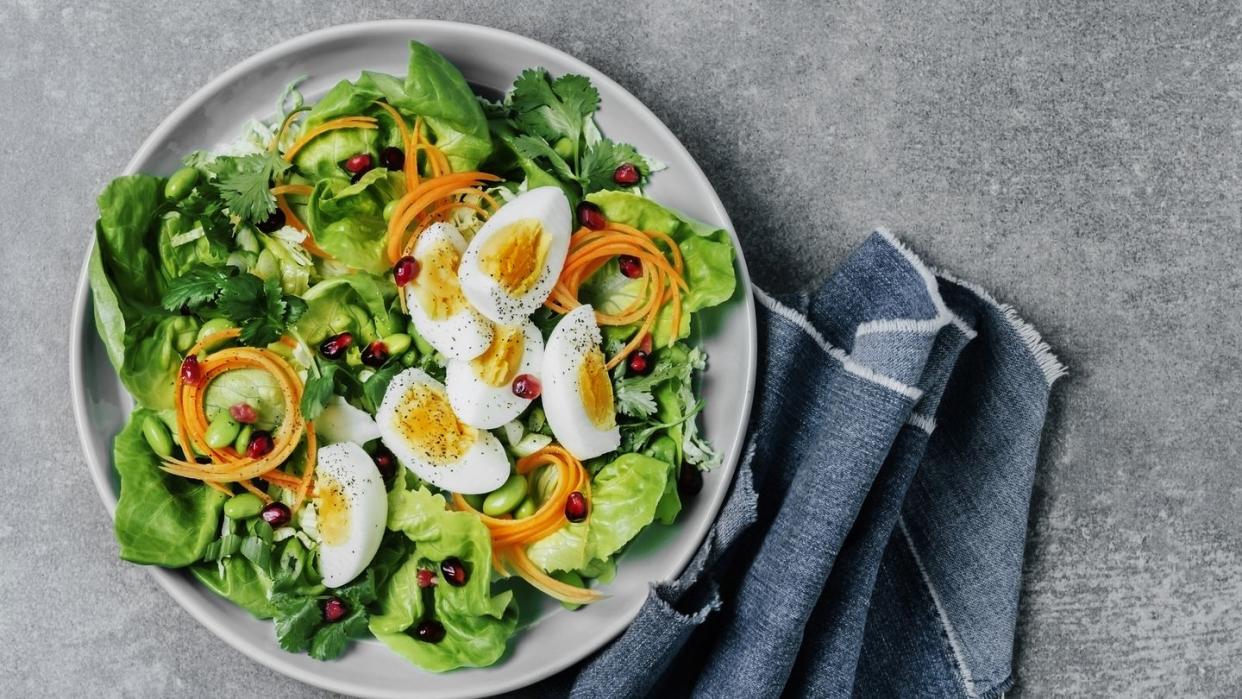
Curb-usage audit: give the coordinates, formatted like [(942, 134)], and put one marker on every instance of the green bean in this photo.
[(506, 497), (180, 184), (409, 359), (569, 578), (526, 509), (222, 431), (243, 438), (156, 433), (475, 500), (397, 344), (242, 506), (212, 327)]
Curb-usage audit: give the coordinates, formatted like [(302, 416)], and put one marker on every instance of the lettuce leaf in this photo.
[(356, 303), (160, 519), (127, 211), (347, 219), (239, 581)]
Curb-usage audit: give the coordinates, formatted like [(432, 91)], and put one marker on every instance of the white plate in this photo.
[(492, 59)]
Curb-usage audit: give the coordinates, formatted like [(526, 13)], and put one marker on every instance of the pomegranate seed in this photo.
[(335, 346), (454, 571), (393, 158), (429, 631), (640, 363), (191, 372), (689, 480), (273, 223), (405, 271), (385, 462), (276, 514), (626, 175), (334, 610), (426, 577), (575, 507), (243, 413), (631, 266), (375, 354), (645, 344), (526, 387), (260, 444), (358, 164), (591, 216)]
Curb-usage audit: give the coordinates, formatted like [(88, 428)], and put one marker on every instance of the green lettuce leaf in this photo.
[(436, 90), (151, 358), (565, 549), (160, 519), (127, 210), (347, 219), (624, 497), (240, 581), (356, 303)]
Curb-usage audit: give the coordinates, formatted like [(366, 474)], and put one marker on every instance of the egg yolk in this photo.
[(332, 512), (500, 362), (431, 428), (596, 390), (515, 255), (437, 289)]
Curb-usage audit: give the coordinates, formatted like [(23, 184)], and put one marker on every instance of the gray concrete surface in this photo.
[(1082, 161)]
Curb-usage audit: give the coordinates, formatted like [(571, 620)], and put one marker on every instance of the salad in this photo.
[(401, 352)]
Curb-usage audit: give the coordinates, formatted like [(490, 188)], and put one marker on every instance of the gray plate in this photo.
[(491, 59)]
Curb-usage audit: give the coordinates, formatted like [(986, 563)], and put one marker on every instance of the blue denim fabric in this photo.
[(872, 542)]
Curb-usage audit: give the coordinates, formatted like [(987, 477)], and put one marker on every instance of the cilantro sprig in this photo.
[(245, 183), (258, 307)]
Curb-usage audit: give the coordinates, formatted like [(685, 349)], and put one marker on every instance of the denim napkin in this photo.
[(872, 542)]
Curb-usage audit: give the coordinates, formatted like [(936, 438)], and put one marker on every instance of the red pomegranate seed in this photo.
[(260, 444), (454, 571), (243, 413), (426, 577), (631, 266), (405, 271), (385, 462), (626, 175), (334, 610), (575, 507), (335, 346), (359, 163), (591, 216), (429, 631), (689, 480), (375, 354), (640, 363), (645, 345), (191, 372), (527, 387), (276, 514), (393, 158)]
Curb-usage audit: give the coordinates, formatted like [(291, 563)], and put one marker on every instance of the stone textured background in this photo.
[(1080, 161)]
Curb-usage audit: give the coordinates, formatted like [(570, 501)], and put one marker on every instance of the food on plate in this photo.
[(399, 353)]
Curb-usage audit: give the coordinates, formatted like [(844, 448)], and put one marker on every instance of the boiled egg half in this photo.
[(439, 309), (577, 392), (481, 389), (351, 507)]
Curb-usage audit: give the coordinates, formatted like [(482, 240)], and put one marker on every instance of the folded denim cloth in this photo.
[(872, 542)]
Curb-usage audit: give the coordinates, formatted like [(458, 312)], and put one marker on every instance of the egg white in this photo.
[(481, 469), (478, 403), (576, 334), (464, 334), (365, 509), (547, 205)]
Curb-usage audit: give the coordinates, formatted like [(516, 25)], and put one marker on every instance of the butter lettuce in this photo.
[(348, 219), (355, 303)]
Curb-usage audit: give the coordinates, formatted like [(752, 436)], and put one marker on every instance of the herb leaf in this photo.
[(245, 183), (318, 391), (195, 288), (602, 160)]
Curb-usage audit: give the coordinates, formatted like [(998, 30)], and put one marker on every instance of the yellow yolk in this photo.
[(595, 389), (431, 428), (436, 287), (499, 364), (332, 512), (514, 256)]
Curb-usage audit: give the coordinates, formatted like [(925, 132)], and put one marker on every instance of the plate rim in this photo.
[(173, 582)]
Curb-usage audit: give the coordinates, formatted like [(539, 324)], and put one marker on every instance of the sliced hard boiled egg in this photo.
[(342, 422), (418, 424), (439, 309), (481, 389), (514, 260), (577, 392), (351, 508)]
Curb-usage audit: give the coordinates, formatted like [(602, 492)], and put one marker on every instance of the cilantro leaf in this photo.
[(259, 307), (245, 183), (318, 391), (601, 161), (300, 625), (534, 149), (195, 288), (296, 620), (553, 109)]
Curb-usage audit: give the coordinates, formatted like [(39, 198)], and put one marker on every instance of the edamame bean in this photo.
[(212, 327), (243, 438), (242, 506), (475, 500), (180, 184), (526, 509), (389, 208), (221, 432), (397, 344), (423, 346), (570, 578), (186, 329), (564, 148), (156, 433), (409, 359), (506, 497)]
